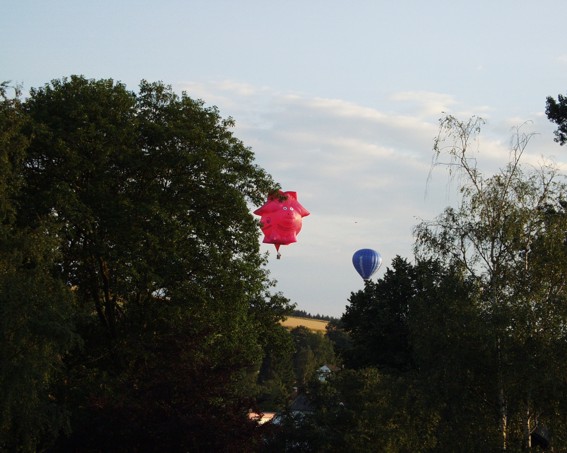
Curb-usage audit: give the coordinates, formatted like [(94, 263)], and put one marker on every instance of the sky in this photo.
[(339, 101)]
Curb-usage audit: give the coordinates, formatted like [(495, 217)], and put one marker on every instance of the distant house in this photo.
[(324, 372)]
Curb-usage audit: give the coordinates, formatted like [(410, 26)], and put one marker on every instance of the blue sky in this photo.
[(339, 100)]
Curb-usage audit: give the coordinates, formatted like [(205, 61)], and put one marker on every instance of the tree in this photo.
[(36, 328), (276, 377), (377, 319), (508, 236), (340, 339), (312, 350), (556, 112), (421, 328), (452, 359), (149, 194), (358, 411), (36, 331)]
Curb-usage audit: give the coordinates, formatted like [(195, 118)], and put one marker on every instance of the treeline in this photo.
[(463, 349), (136, 313), (304, 314)]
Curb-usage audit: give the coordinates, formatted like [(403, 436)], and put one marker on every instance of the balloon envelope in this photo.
[(281, 218), (366, 262)]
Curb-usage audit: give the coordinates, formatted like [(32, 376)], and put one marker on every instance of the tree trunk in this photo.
[(503, 407), (527, 430), (503, 418)]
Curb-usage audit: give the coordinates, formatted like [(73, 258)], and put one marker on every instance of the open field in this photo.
[(312, 324)]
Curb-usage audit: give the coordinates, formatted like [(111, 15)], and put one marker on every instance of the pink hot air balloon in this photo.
[(281, 218)]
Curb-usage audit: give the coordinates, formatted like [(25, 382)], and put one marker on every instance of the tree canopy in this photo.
[(556, 111), (36, 329), (508, 236), (142, 200), (476, 327), (137, 313)]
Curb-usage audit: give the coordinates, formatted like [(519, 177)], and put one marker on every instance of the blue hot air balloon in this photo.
[(366, 262)]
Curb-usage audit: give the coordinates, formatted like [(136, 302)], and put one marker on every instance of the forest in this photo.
[(137, 314)]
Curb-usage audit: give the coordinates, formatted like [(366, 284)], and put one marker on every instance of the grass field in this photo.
[(312, 324)]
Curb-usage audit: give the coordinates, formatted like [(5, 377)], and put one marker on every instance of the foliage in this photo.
[(474, 331), (358, 411), (36, 327), (454, 359), (377, 319), (137, 313), (139, 203), (425, 313), (556, 111), (312, 350), (508, 237), (304, 314), (340, 339), (276, 377)]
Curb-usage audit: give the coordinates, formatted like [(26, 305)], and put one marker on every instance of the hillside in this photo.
[(316, 325)]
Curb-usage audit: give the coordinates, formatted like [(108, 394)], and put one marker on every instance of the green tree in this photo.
[(377, 319), (36, 328), (479, 320), (453, 360), (150, 193), (36, 332), (556, 111), (339, 337), (421, 328), (508, 237), (358, 411), (312, 350), (276, 377)]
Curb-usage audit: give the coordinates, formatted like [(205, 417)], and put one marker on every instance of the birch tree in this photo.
[(508, 233)]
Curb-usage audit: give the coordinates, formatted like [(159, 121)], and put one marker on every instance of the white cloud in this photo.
[(428, 103), (361, 172)]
